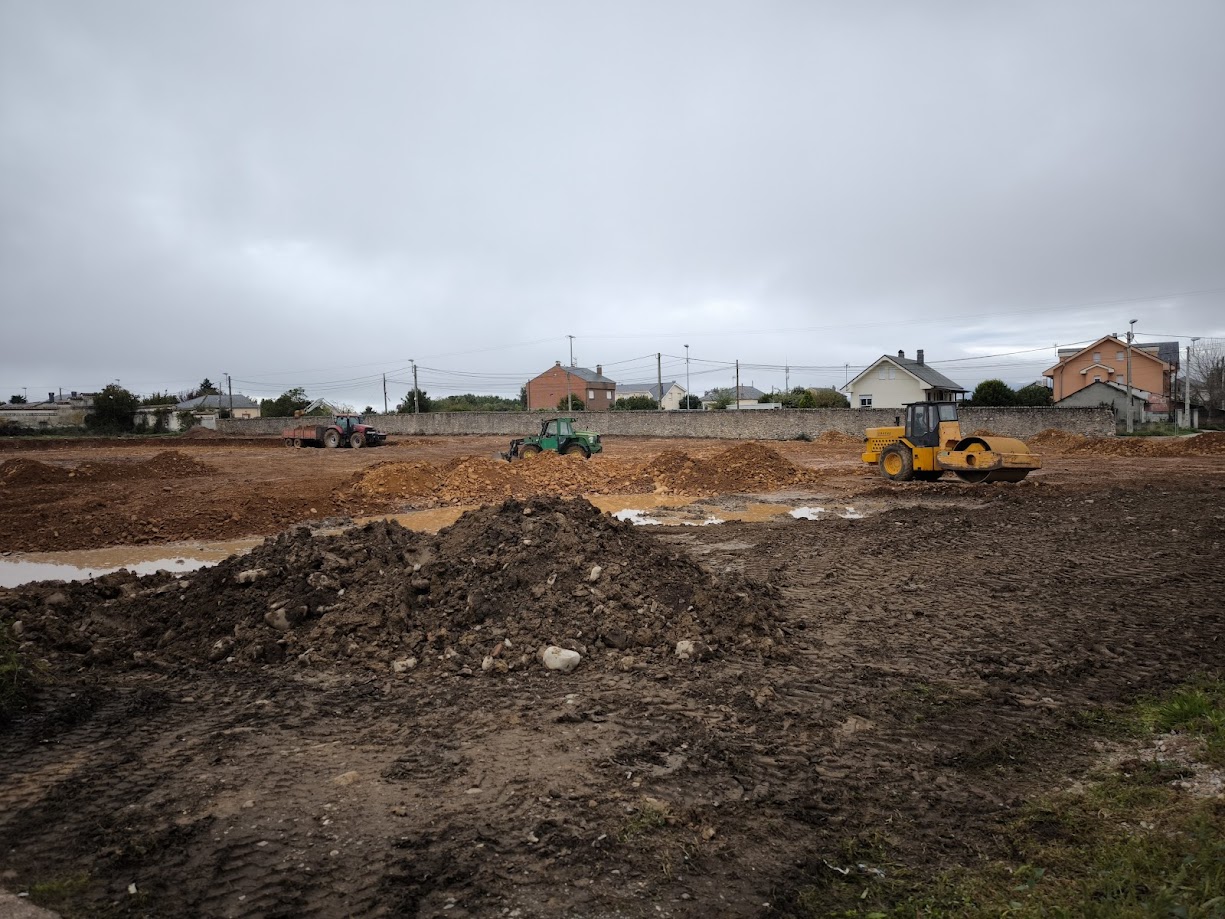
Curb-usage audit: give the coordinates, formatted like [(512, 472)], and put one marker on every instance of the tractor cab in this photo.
[(554, 431), (932, 424)]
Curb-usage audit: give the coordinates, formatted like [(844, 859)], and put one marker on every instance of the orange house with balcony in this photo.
[(1105, 361)]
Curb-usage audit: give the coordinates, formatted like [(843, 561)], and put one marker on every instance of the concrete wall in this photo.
[(740, 425)]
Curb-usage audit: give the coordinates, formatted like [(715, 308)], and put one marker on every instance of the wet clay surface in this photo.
[(881, 690)]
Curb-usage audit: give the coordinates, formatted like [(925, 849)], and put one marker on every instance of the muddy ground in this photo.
[(862, 694)]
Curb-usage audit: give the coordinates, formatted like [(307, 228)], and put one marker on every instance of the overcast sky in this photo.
[(309, 193)]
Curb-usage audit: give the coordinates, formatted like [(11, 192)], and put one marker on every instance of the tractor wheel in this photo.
[(331, 439), (357, 440), (297, 442), (577, 450), (528, 450), (896, 463), (289, 441)]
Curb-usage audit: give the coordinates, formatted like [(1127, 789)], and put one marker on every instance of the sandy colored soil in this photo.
[(251, 739)]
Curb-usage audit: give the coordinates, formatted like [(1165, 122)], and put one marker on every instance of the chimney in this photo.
[(50, 397), (599, 370), (919, 355), (557, 363), (901, 353)]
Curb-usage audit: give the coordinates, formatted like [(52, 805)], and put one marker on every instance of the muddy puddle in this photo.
[(81, 565)]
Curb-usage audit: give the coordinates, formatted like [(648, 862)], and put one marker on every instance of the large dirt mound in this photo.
[(484, 594), (745, 467), (169, 464), (1060, 442)]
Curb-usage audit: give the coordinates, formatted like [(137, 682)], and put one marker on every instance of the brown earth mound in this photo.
[(484, 594), (30, 472), (837, 439), (169, 464), (1060, 442), (199, 432), (477, 480)]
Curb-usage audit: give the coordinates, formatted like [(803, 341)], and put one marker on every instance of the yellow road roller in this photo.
[(930, 444)]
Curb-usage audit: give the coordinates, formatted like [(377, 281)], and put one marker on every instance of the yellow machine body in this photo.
[(931, 444)]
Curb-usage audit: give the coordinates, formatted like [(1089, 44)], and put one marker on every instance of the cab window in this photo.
[(564, 428), (550, 429), (948, 412)]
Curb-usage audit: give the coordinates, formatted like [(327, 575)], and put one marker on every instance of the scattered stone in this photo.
[(346, 778), (596, 571), (562, 659), (251, 575), (403, 665), (278, 619)]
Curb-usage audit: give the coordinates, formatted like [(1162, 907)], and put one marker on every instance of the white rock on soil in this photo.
[(555, 658), (686, 649), (596, 571), (278, 619), (251, 575), (403, 665)]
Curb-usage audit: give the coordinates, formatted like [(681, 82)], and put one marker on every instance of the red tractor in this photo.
[(343, 431)]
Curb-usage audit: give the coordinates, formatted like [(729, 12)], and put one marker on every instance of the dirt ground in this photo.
[(358, 724)]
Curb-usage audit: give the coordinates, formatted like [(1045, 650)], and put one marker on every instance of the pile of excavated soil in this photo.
[(198, 432), (483, 594), (837, 439), (169, 464), (1060, 442), (748, 467)]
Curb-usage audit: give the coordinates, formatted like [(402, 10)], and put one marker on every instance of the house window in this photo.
[(1120, 356), (1097, 379), (590, 394), (865, 401), (1097, 357), (608, 394)]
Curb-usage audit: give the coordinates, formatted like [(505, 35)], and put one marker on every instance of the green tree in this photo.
[(369, 410), (828, 397), (284, 405), (635, 404), (993, 393), (523, 397), (17, 400), (408, 406), (689, 403), (571, 403), (1033, 394), (471, 402), (160, 398), (114, 410)]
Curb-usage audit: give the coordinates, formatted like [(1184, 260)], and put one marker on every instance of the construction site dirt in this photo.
[(353, 719)]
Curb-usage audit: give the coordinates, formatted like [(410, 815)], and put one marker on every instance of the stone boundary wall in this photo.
[(779, 424)]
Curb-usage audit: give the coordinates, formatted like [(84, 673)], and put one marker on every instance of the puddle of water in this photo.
[(90, 563), (808, 513)]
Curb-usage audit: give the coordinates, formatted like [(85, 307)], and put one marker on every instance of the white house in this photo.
[(743, 398), (673, 393), (891, 382)]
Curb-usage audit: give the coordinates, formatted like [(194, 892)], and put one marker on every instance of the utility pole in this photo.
[(571, 337), (688, 404), (229, 385), (1186, 386), (416, 401), (384, 394), (786, 378), (659, 377), (737, 384), (1130, 335)]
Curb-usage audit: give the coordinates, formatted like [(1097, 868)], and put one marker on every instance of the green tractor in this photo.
[(557, 435)]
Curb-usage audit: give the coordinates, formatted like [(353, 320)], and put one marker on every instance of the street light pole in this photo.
[(1186, 387), (1131, 333)]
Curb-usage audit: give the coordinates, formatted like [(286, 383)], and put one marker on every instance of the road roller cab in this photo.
[(930, 444)]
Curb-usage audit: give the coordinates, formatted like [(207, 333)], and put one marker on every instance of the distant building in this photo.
[(1105, 361), (57, 412), (741, 397), (891, 382), (591, 387), (673, 393), (1114, 397), (238, 405)]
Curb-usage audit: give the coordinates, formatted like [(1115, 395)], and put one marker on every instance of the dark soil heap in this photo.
[(485, 593), (169, 464)]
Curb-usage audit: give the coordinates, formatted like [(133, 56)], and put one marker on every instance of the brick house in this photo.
[(1105, 361), (591, 387)]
